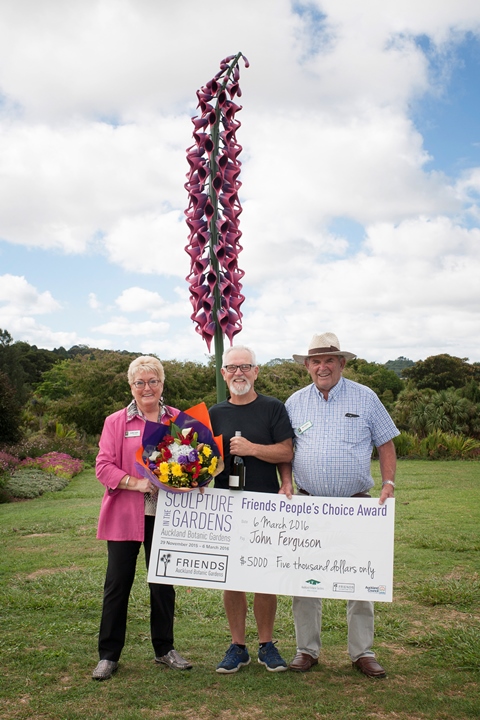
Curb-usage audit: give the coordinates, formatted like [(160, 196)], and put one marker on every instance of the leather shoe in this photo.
[(105, 670), (303, 662), (174, 660), (369, 667)]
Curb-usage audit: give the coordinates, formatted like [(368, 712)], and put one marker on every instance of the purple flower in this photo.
[(191, 456)]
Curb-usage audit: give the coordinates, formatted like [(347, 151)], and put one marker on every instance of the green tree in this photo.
[(5, 338), (9, 411), (34, 361), (408, 402), (385, 383), (85, 389), (10, 365), (24, 364), (189, 383), (440, 372), (425, 411), (281, 378), (471, 391), (399, 365), (449, 412)]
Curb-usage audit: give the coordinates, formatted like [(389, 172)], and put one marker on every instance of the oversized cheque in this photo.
[(260, 542)]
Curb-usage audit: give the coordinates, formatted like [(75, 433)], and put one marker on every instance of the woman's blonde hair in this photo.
[(145, 363)]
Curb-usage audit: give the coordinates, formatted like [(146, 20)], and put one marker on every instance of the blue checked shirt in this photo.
[(334, 438)]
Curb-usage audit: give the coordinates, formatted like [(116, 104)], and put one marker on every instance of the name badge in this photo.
[(132, 433), (304, 427)]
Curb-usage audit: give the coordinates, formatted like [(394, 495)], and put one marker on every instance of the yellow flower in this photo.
[(163, 469), (176, 469), (164, 478), (207, 451), (213, 466)]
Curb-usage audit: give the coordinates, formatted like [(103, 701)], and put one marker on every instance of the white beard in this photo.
[(240, 390)]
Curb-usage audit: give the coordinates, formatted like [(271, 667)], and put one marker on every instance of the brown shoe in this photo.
[(302, 662), (369, 667)]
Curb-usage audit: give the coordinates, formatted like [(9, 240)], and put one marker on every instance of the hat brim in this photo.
[(342, 353)]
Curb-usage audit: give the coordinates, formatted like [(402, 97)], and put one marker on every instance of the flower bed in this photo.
[(31, 477), (8, 462), (59, 464)]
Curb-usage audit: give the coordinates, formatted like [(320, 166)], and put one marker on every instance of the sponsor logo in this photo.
[(176, 564), (343, 587), (378, 589), (311, 586)]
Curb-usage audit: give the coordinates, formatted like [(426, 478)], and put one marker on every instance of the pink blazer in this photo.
[(122, 513)]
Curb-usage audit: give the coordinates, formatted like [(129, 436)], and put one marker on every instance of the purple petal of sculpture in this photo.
[(214, 208)]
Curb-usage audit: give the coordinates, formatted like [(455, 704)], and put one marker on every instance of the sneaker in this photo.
[(269, 656), (235, 658), (105, 670)]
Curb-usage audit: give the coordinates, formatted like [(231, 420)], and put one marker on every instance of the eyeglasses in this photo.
[(153, 383), (233, 368)]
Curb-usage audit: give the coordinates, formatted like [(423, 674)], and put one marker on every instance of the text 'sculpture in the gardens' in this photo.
[(259, 542)]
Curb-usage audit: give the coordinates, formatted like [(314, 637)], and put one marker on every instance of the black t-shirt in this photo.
[(263, 421)]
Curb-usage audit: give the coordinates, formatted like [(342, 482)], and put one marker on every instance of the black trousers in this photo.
[(122, 562)]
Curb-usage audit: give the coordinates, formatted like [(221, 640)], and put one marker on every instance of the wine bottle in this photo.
[(236, 479)]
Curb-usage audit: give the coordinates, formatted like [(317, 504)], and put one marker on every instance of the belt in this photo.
[(360, 494)]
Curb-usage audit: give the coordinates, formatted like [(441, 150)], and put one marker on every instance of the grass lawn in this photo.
[(51, 578)]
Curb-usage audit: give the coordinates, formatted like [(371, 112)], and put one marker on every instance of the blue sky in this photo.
[(449, 122), (361, 173)]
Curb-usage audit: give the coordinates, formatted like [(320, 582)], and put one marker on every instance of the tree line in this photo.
[(68, 394)]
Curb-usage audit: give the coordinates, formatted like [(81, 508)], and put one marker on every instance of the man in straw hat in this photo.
[(337, 422)]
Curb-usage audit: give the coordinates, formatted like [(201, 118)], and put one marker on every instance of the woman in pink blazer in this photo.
[(127, 518)]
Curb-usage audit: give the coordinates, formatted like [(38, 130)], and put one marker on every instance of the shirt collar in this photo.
[(334, 392), (134, 411)]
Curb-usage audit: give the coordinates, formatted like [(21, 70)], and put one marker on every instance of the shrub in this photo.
[(28, 483), (7, 465), (446, 446), (406, 445), (8, 462)]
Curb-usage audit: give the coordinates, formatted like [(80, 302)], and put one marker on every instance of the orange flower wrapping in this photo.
[(181, 454)]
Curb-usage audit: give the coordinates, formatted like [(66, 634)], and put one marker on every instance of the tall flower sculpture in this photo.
[(213, 212)]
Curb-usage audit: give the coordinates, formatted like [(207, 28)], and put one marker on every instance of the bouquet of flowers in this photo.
[(182, 454)]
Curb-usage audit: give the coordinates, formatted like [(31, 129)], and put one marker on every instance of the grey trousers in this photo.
[(307, 614)]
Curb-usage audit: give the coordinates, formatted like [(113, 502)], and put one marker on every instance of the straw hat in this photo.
[(324, 344)]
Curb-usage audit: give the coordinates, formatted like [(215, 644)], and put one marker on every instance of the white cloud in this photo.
[(151, 243), (21, 303), (122, 327), (412, 289), (138, 300), (35, 333), (370, 169), (77, 180), (93, 301), (22, 298)]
